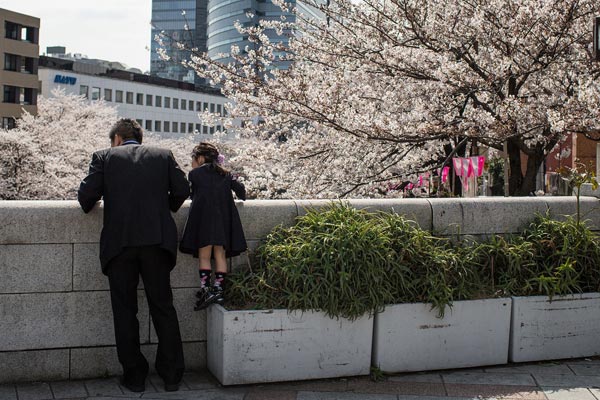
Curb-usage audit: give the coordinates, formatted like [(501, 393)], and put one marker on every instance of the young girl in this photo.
[(213, 227)]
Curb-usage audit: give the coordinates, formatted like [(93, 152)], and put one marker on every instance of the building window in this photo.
[(95, 93), (183, 104), (119, 96), (19, 95), (139, 99), (198, 127), (10, 62), (191, 105), (148, 100), (175, 103), (205, 129), (167, 126), (156, 126), (182, 129), (212, 107), (167, 102), (139, 121), (8, 123), (27, 65), (190, 128), (219, 109), (83, 91), (198, 106), (107, 94), (129, 98), (148, 125), (12, 30), (174, 126), (19, 32), (158, 101), (204, 106), (28, 34)]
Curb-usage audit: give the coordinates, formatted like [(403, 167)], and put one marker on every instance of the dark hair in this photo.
[(127, 129), (211, 156)]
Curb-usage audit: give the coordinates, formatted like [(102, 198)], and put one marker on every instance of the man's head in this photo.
[(125, 129)]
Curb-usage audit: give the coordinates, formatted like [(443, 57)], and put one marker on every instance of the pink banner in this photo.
[(457, 161), (444, 174)]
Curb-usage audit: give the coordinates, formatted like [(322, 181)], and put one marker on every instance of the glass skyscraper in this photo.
[(222, 34), (172, 17)]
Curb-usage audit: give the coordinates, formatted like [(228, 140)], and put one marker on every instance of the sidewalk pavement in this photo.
[(561, 380)]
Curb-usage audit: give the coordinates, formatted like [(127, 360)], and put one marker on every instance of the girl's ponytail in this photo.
[(211, 156)]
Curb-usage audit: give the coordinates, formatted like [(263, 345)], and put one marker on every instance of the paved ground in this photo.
[(566, 380)]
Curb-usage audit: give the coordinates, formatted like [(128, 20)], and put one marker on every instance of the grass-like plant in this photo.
[(336, 260), (549, 258), (348, 262)]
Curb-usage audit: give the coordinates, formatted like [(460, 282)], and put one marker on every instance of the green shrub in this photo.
[(429, 269), (347, 263), (549, 258), (335, 260)]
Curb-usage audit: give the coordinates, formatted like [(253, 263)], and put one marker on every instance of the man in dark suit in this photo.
[(140, 186)]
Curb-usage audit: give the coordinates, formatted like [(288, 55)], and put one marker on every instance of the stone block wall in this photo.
[(55, 314)]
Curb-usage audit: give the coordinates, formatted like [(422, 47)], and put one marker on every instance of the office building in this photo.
[(19, 51), (163, 106), (222, 34), (177, 20)]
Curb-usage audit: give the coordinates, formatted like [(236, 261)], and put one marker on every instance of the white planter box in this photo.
[(566, 327), (274, 345), (409, 337)]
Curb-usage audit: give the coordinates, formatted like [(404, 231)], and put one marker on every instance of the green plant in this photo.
[(376, 374), (428, 268), (576, 177), (347, 263), (335, 260), (549, 258)]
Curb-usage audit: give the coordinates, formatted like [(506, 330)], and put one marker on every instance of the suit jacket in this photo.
[(140, 186)]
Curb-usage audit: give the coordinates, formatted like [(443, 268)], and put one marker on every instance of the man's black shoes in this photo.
[(133, 386)]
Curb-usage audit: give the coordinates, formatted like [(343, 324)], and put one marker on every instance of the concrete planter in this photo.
[(273, 345), (409, 337), (564, 327)]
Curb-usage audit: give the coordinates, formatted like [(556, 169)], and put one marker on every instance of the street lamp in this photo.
[(597, 38)]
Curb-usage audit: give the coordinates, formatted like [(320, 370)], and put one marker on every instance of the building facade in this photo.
[(222, 34), (19, 51), (177, 20), (166, 107)]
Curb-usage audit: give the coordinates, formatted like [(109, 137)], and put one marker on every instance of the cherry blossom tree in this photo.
[(379, 90), (47, 155)]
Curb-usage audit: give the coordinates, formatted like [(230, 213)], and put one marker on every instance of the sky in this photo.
[(113, 30)]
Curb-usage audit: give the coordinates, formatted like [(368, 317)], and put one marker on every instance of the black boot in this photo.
[(201, 295), (215, 296)]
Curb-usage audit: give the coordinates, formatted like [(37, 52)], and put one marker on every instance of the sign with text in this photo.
[(66, 80)]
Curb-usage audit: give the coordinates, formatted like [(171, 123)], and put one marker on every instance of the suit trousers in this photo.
[(124, 270)]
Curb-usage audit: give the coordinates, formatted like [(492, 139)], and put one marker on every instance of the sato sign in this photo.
[(67, 80)]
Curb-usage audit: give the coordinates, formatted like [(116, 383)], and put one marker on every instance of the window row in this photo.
[(150, 100), (21, 32), (19, 95), (17, 63), (177, 127)]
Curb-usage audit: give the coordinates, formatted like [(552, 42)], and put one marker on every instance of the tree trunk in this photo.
[(520, 185), (515, 178)]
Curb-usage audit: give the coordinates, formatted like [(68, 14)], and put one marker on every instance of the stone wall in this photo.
[(55, 315)]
